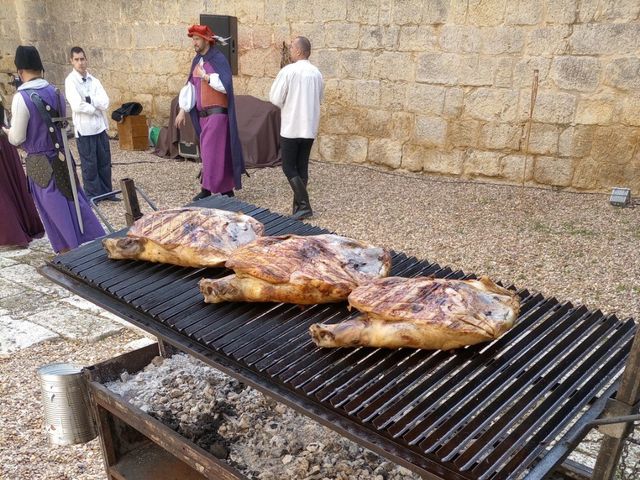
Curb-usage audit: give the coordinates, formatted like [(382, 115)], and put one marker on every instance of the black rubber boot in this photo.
[(204, 193), (296, 206), (301, 198)]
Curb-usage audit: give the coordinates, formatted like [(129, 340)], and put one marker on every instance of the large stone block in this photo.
[(552, 40), (435, 11), (423, 98), (343, 148), (328, 10), (258, 87), (372, 123), (368, 93), (543, 139), (328, 62), (586, 175), (486, 12), (492, 105), (595, 111), (504, 72), (576, 73), (516, 168), (252, 62), (624, 73), (576, 141), (341, 34), (553, 171), (452, 69), (313, 31), (418, 39), (362, 12), (393, 95), (393, 66), (430, 131), (501, 40), (614, 144), (523, 72), (605, 38), (621, 10), (407, 12), (379, 37), (401, 126), (355, 64), (383, 151), (524, 12), (500, 136), (453, 102), (629, 106), (460, 38), (275, 12), (550, 106), (262, 36), (562, 11), (464, 133), (249, 11), (483, 164), (441, 162)]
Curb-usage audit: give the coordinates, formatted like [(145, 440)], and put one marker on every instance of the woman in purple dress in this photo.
[(19, 221), (30, 131)]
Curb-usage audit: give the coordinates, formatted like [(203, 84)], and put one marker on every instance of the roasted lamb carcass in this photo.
[(298, 269), (190, 237), (423, 312)]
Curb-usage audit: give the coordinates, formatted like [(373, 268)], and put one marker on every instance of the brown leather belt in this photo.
[(211, 111)]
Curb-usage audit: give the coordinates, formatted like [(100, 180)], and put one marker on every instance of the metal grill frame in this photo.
[(413, 435)]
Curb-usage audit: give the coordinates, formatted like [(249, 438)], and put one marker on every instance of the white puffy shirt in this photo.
[(88, 118), (298, 90)]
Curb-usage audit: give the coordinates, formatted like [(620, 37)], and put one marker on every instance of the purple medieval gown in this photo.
[(215, 145), (19, 221), (58, 214)]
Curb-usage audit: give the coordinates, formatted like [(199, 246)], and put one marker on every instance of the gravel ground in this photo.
[(572, 246)]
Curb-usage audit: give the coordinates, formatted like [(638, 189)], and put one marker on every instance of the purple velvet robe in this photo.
[(222, 159), (58, 214), (19, 221)]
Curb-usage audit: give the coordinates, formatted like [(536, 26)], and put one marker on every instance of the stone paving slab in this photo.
[(6, 262), (8, 289), (18, 334), (29, 277), (75, 324)]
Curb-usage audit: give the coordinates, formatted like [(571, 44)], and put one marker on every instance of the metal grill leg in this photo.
[(624, 404)]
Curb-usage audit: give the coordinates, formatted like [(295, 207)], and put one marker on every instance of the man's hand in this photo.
[(180, 119), (199, 71), (5, 130)]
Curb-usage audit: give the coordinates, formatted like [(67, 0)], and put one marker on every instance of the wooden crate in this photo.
[(133, 133), (135, 445)]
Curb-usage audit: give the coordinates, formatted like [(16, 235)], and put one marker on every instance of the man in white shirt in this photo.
[(89, 103), (298, 90)]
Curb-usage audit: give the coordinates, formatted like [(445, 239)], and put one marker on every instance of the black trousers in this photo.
[(95, 163), (295, 157)]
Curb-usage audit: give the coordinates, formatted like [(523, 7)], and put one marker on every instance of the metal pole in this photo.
[(534, 95)]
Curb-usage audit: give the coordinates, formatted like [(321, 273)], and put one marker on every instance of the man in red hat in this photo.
[(212, 110)]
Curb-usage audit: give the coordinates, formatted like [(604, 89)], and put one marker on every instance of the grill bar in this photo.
[(488, 411)]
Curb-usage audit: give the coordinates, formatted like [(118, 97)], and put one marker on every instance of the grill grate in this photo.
[(489, 411)]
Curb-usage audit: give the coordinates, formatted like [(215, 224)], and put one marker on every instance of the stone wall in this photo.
[(438, 86)]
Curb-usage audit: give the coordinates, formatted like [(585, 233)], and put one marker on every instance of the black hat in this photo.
[(28, 58), (129, 108)]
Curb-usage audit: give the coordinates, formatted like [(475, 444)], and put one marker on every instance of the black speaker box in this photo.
[(224, 26)]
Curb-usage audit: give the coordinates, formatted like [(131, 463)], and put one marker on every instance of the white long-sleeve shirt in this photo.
[(88, 118), (20, 116), (298, 91)]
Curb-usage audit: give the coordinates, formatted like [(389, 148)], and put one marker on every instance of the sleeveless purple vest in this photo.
[(38, 139)]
